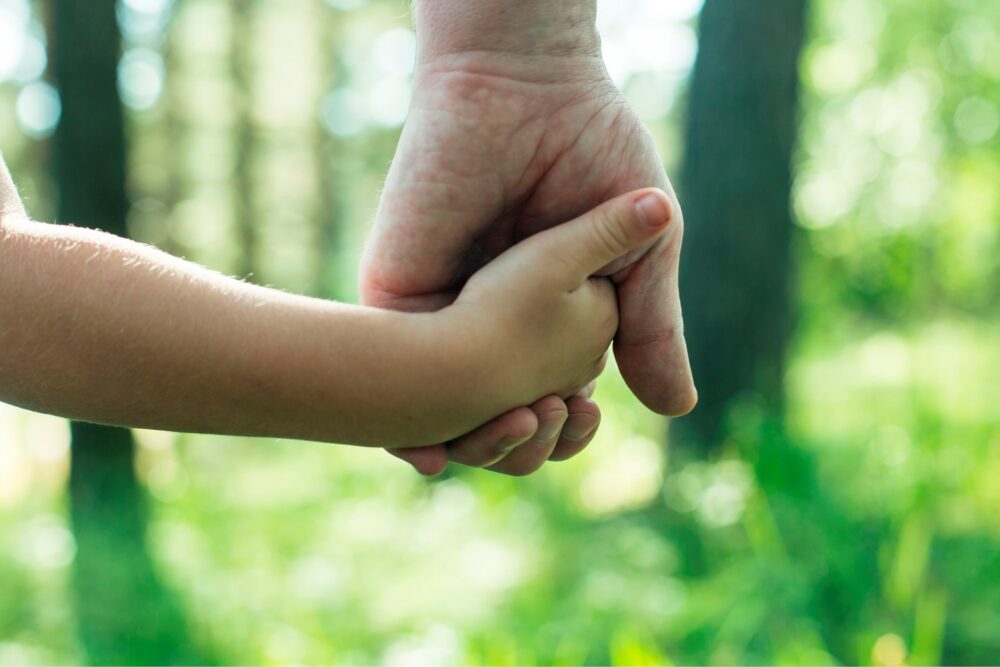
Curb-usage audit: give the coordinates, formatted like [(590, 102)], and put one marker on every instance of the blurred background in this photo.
[(835, 499)]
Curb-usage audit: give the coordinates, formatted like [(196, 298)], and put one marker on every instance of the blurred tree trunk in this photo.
[(735, 189), (173, 127), (124, 614), (241, 67), (330, 209)]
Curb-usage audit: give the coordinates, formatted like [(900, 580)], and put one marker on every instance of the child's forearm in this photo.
[(101, 329)]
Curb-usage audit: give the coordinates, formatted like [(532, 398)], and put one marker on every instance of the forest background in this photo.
[(835, 498)]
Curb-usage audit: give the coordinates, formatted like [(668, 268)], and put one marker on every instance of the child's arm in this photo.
[(10, 203), (98, 328)]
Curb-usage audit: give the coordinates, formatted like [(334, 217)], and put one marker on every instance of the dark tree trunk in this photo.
[(735, 189), (124, 614)]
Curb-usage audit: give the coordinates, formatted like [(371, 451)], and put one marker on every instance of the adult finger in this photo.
[(493, 441), (581, 427), (650, 348), (428, 461), (533, 454), (477, 449)]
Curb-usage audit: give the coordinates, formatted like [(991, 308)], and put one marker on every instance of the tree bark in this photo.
[(735, 188), (125, 616)]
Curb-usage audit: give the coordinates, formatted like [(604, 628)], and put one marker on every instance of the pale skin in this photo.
[(102, 329), (514, 128)]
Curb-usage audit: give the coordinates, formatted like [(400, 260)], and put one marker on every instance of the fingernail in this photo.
[(653, 209), (580, 428)]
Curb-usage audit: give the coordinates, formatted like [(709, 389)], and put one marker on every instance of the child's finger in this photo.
[(606, 233)]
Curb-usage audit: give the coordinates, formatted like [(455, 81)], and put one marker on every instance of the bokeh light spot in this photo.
[(140, 78), (343, 112), (889, 651), (976, 120), (38, 109)]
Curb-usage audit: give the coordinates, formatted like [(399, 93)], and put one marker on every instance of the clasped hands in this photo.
[(491, 156)]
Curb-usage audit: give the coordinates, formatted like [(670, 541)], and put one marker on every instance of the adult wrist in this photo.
[(554, 28)]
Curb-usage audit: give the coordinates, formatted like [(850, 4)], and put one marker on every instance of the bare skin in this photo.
[(101, 329), (514, 128), (10, 203)]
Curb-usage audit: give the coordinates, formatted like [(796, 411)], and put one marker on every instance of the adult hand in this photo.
[(504, 142)]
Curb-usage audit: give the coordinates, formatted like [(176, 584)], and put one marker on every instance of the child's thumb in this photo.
[(609, 232)]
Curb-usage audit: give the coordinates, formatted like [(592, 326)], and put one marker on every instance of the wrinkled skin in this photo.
[(490, 155)]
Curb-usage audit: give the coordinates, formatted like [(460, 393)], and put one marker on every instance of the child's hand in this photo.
[(535, 315), (112, 332)]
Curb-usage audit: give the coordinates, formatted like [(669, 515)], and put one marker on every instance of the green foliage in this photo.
[(863, 531)]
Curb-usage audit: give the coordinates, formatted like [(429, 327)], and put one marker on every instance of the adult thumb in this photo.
[(608, 233)]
